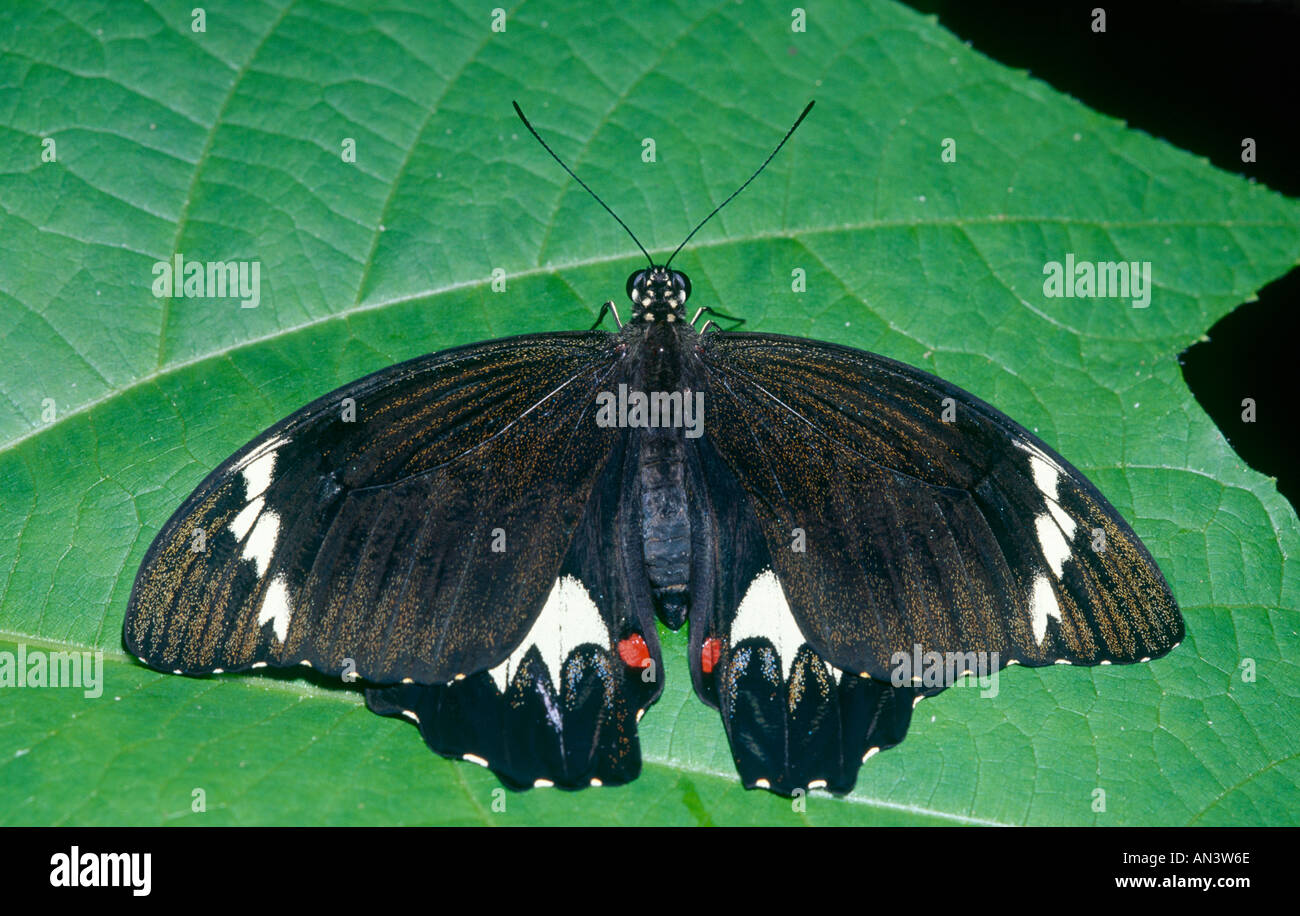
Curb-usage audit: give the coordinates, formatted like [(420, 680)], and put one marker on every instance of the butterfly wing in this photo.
[(898, 515), (562, 708), (453, 527), (793, 719), (410, 525)]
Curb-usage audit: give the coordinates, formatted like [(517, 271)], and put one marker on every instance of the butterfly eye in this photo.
[(635, 279), (682, 282)]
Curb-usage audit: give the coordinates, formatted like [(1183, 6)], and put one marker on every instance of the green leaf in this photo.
[(226, 145)]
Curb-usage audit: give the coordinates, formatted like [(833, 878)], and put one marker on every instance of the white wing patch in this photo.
[(1045, 470), (259, 466), (1050, 538), (764, 613), (260, 546), (1067, 524), (240, 524), (1055, 530), (276, 608), (1042, 604), (569, 619), (259, 528)]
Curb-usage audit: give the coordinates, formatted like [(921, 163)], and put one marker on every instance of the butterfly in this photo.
[(487, 535)]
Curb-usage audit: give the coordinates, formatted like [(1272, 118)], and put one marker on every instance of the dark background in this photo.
[(1202, 75)]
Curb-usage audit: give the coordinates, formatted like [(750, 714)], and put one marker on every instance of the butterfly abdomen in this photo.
[(665, 526)]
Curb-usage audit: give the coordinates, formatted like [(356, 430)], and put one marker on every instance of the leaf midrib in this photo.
[(792, 235)]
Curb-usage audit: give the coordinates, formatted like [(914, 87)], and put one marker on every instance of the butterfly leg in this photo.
[(714, 312), (608, 306)]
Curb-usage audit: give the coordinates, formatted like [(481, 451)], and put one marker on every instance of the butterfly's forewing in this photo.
[(793, 720), (902, 512), (409, 525), (563, 708)]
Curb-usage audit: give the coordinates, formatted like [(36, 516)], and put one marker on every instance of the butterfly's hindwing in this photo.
[(950, 534), (409, 525), (562, 708), (794, 721)]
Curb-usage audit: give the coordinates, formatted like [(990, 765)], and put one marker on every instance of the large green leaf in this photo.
[(226, 145)]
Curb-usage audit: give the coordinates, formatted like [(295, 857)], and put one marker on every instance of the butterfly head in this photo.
[(658, 292)]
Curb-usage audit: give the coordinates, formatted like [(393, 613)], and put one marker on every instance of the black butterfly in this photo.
[(486, 534)]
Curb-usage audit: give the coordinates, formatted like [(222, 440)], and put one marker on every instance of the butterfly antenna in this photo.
[(797, 122), (538, 137)]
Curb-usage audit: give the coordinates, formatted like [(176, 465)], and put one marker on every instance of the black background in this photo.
[(1202, 75), (378, 870)]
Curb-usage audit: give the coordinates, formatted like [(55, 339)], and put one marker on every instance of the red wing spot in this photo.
[(633, 651), (709, 654)]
